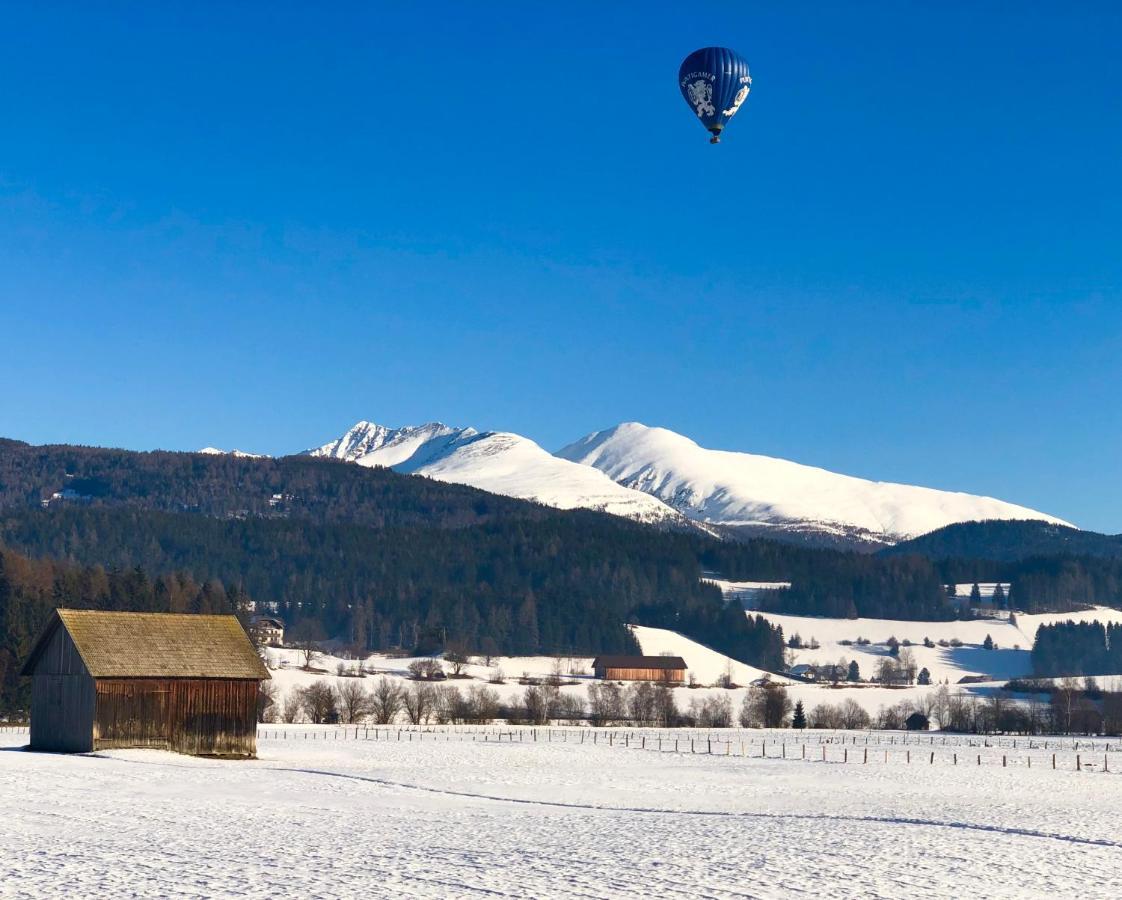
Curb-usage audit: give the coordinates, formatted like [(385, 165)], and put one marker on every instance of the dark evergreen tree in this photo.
[(854, 673), (988, 643), (924, 676), (799, 719)]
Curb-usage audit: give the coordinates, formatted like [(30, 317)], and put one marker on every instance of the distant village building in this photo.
[(119, 679), (640, 668), (266, 631)]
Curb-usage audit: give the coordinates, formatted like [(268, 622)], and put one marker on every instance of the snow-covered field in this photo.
[(330, 817)]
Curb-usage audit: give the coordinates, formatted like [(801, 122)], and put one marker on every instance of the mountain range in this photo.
[(660, 477)]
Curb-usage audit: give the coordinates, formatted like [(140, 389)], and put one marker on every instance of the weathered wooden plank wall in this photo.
[(62, 697), (209, 717), (672, 676)]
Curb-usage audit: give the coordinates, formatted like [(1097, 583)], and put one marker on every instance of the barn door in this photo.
[(132, 713)]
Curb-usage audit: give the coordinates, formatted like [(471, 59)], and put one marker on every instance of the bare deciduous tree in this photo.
[(768, 705), (605, 704), (267, 702), (426, 669), (318, 701), (307, 636), (641, 703), (293, 706), (457, 658), (353, 701), (385, 701), (570, 709), (711, 712), (419, 701), (666, 714)]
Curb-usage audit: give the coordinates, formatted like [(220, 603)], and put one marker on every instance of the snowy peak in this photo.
[(377, 445), (241, 454), (495, 461), (744, 490)]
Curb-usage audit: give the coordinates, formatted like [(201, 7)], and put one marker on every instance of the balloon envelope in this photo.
[(714, 81)]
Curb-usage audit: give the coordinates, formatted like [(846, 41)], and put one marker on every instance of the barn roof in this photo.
[(155, 645), (639, 662)]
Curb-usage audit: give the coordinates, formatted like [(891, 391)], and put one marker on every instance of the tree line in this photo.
[(1077, 648), (31, 589)]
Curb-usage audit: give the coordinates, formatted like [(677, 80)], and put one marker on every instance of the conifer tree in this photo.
[(799, 720), (854, 673), (924, 676)]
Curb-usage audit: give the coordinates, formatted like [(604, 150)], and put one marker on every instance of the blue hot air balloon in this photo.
[(714, 81)]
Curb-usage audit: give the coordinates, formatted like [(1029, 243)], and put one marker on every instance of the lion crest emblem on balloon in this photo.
[(701, 97)]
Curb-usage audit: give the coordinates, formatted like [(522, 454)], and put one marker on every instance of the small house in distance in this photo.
[(670, 669), (267, 631), (120, 679)]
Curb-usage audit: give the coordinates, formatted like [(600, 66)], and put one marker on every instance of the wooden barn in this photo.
[(640, 668), (120, 679)]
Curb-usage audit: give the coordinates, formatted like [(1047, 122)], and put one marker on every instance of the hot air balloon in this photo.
[(714, 81)]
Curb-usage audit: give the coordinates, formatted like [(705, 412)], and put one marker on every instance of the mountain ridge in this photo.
[(657, 476), (737, 490), (496, 461)]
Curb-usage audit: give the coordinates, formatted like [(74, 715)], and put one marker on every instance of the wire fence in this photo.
[(823, 747)]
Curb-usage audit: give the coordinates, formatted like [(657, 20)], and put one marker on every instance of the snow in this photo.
[(985, 589), (746, 593), (447, 814), (740, 489), (240, 454), (1012, 659), (499, 462), (705, 664)]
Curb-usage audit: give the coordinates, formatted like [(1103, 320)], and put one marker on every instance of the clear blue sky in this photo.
[(252, 225)]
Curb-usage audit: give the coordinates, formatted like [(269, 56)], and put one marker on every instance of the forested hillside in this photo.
[(1051, 568), (566, 582), (1008, 541), (30, 589), (371, 557), (317, 490), (379, 559)]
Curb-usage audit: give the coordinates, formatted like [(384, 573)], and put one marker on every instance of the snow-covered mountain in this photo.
[(241, 454), (494, 461), (763, 494)]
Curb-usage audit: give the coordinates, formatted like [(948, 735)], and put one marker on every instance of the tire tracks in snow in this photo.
[(726, 814)]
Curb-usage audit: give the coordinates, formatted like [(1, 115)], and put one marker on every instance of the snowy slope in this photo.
[(241, 454), (706, 665), (746, 490), (1012, 659), (495, 461)]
